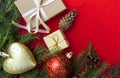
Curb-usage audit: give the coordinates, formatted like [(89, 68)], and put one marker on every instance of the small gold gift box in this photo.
[(56, 40)]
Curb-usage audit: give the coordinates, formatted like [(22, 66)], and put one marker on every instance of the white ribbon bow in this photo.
[(36, 13)]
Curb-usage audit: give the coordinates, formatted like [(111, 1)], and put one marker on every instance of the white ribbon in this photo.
[(35, 12)]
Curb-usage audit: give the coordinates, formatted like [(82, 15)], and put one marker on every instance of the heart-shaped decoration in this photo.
[(20, 59)]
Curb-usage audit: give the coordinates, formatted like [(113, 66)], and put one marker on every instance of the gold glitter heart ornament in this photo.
[(20, 59)]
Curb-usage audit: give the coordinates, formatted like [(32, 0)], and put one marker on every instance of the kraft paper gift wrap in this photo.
[(52, 9), (57, 40)]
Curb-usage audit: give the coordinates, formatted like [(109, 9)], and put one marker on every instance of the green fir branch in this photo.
[(97, 73), (101, 70), (3, 74), (78, 63), (41, 54), (34, 74), (27, 38)]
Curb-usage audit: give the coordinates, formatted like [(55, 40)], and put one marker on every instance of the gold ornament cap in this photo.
[(69, 55)]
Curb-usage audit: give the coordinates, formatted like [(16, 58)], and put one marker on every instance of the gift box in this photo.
[(56, 41), (46, 9)]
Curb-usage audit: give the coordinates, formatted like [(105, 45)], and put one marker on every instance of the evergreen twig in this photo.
[(34, 74), (78, 62), (26, 38), (41, 54), (100, 71)]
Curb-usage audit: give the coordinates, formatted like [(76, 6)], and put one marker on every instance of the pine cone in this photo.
[(92, 61), (66, 22), (113, 72)]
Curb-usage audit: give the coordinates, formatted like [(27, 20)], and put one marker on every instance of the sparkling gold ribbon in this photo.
[(56, 40)]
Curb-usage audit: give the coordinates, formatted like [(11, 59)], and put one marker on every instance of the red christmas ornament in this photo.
[(59, 67)]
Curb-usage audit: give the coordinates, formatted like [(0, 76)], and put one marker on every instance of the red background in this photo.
[(97, 21)]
